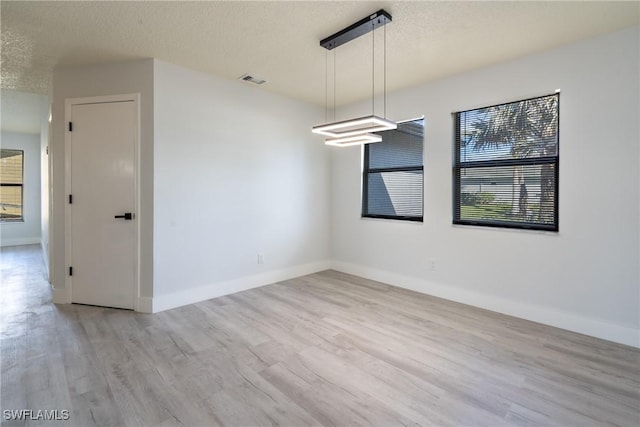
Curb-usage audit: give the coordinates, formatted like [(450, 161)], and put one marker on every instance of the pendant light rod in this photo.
[(373, 73), (384, 91), (353, 31)]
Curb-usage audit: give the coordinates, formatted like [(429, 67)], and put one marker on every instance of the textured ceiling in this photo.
[(278, 41)]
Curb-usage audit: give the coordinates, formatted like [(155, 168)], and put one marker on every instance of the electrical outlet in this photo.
[(260, 258), (432, 264)]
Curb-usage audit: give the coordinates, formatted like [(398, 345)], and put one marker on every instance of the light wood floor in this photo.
[(324, 349)]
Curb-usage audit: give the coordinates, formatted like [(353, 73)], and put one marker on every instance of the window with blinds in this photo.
[(506, 165), (11, 183), (393, 174)]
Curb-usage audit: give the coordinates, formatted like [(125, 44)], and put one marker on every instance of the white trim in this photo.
[(45, 258), (69, 103), (145, 305), (50, 155), (214, 290), (399, 122), (60, 296), (509, 100), (548, 316), (19, 241), (137, 161)]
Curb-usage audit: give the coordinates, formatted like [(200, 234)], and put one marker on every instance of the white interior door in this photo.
[(102, 184)]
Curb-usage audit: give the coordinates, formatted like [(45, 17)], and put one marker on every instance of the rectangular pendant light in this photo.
[(347, 141), (351, 127), (359, 130)]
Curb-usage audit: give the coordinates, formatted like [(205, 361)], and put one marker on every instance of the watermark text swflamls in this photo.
[(36, 415)]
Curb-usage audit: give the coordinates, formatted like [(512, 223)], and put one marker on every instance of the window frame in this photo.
[(366, 170), (459, 165), (21, 185)]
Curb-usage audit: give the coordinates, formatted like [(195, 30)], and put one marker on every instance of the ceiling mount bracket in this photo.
[(360, 28)]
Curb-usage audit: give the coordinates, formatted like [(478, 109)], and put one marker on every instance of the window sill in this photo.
[(392, 218)]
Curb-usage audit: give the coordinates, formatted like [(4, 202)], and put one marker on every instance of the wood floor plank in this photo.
[(331, 403), (323, 349)]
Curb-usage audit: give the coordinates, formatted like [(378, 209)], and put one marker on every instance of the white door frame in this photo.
[(68, 103)]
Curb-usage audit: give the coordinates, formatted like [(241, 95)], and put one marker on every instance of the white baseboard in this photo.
[(548, 316), (60, 296), (19, 241), (214, 290), (45, 258), (145, 305)]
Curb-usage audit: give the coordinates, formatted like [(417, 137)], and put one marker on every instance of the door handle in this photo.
[(127, 215)]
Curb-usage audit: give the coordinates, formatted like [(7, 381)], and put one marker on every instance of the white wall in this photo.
[(28, 231), (237, 172), (584, 278), (111, 79)]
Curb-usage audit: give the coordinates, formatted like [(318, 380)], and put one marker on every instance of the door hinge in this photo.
[(70, 271), (70, 126), (70, 198)]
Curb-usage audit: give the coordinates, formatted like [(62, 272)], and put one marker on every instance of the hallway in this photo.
[(31, 360)]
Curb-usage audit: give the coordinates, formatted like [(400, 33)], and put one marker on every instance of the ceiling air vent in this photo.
[(251, 79)]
